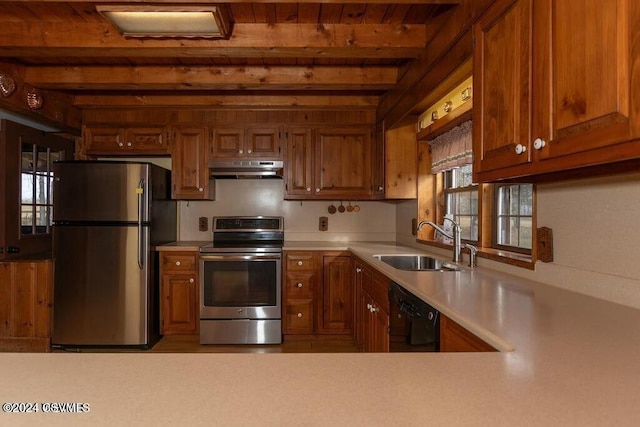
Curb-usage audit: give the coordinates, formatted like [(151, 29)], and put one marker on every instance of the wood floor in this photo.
[(191, 344)]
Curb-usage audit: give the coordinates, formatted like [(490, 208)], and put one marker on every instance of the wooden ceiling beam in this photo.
[(247, 40), (262, 102), (211, 77)]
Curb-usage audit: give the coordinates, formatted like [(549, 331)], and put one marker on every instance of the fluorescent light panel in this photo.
[(164, 22)]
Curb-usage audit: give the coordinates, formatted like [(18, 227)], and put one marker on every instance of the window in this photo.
[(36, 188), (514, 217), (461, 200)]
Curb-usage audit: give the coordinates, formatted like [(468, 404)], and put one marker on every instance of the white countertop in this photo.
[(574, 361)]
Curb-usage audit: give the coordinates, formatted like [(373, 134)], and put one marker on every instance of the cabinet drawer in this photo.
[(300, 262), (299, 316), (299, 286), (179, 261)]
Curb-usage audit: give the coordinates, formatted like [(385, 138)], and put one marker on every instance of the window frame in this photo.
[(432, 207)]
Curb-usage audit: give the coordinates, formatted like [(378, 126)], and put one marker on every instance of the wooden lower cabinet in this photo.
[(455, 338), (317, 294), (179, 293), (26, 299), (372, 319)]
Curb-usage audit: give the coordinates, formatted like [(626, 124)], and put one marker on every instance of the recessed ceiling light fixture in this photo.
[(169, 21)]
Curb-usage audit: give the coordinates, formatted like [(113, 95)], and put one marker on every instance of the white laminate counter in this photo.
[(572, 360)]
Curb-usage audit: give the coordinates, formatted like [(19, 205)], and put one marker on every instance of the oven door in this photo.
[(240, 286)]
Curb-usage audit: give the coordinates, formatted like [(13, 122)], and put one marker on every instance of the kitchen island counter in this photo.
[(567, 359)]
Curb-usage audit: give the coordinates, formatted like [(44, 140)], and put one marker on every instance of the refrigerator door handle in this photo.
[(141, 245)]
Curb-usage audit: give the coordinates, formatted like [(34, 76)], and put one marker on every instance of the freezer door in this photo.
[(100, 191), (101, 295)]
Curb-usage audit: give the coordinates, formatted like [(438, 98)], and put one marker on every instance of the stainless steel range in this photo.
[(241, 282)]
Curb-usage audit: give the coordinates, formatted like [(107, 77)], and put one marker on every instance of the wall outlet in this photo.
[(323, 223), (203, 223)]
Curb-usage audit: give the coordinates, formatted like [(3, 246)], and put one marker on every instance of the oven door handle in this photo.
[(239, 257)]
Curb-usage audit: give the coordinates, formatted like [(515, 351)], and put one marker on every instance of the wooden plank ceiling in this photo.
[(357, 48)]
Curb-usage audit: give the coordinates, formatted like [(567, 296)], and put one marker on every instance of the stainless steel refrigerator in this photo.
[(108, 218)]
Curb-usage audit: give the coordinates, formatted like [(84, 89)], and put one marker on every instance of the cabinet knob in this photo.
[(178, 263), (369, 307), (240, 151), (128, 144), (380, 188), (299, 285), (358, 270), (539, 143), (249, 151), (520, 149), (201, 189), (120, 144), (317, 190), (191, 280), (299, 262), (308, 189), (299, 314)]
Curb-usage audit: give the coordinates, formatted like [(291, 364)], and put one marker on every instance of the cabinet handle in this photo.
[(299, 314), (191, 280), (299, 262), (539, 143), (178, 263), (520, 149), (299, 285)]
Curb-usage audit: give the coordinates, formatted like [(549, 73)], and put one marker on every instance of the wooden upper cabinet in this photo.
[(299, 163), (263, 143), (502, 93), (554, 86), (239, 143), (342, 166), (119, 140), (190, 173)]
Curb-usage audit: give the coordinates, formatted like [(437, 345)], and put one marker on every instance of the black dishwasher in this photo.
[(413, 325)]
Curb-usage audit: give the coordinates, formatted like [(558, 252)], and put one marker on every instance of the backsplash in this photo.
[(376, 221)]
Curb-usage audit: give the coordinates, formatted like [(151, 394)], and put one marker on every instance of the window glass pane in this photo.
[(26, 194), (526, 199), (43, 160), (42, 219), (42, 182), (525, 233), (514, 206), (54, 156), (26, 219), (514, 199), (27, 157)]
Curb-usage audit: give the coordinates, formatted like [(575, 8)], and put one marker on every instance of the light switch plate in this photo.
[(323, 223), (203, 223)]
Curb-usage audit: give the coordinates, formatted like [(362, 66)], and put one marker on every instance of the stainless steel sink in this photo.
[(416, 263)]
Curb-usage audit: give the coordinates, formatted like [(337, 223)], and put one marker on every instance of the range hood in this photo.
[(230, 169)]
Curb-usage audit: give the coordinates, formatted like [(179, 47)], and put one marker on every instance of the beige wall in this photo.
[(596, 233), (375, 221)]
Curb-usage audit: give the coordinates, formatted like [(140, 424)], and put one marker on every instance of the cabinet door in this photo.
[(582, 76), (190, 173), (378, 170), (227, 143), (263, 143), (380, 330), (26, 295), (502, 86), (298, 316), (299, 162), (103, 139), (343, 162), (337, 296), (455, 338), (179, 304), (149, 140)]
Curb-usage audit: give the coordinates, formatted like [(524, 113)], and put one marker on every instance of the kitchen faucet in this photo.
[(457, 240)]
